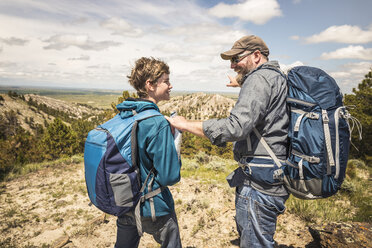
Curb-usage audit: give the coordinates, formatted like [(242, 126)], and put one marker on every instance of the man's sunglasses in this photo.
[(237, 59)]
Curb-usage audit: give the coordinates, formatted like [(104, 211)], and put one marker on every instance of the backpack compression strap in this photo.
[(150, 195), (327, 136), (280, 171), (267, 147)]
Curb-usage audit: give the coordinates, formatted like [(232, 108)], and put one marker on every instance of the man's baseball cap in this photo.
[(246, 43)]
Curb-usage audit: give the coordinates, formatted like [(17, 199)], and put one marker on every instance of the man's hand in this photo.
[(194, 127), (178, 122), (233, 82)]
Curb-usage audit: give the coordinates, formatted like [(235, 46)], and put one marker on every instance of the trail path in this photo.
[(50, 208)]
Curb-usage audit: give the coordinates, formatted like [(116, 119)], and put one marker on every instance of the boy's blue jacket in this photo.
[(155, 148)]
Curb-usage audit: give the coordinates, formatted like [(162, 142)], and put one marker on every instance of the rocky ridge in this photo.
[(199, 106), (26, 112)]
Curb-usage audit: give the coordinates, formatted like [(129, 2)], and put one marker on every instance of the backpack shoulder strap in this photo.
[(134, 147), (277, 70), (145, 114), (137, 118)]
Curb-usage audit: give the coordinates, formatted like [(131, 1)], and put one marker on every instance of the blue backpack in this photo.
[(319, 135), (111, 166)]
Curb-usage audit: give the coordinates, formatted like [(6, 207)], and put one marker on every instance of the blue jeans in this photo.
[(164, 230), (256, 215)]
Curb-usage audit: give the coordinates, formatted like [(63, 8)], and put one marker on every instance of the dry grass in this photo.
[(51, 203)]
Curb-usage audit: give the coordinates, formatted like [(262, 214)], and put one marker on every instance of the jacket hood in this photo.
[(138, 105)]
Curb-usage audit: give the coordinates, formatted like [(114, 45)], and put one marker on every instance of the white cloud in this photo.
[(60, 42), (197, 43), (258, 12), (82, 57), (78, 21), (210, 33), (7, 64), (349, 75), (295, 37), (340, 74), (342, 34), (361, 68), (169, 47), (102, 39), (121, 27), (13, 41), (350, 52)]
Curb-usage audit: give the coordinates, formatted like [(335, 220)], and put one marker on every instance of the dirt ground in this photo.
[(50, 208)]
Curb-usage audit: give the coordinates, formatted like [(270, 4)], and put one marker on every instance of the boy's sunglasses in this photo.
[(237, 59)]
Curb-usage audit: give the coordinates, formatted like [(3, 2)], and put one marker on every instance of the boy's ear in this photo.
[(149, 86)]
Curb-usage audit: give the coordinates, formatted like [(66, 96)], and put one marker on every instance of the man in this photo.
[(150, 77), (260, 193)]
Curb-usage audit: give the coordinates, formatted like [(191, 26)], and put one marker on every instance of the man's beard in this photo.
[(240, 77)]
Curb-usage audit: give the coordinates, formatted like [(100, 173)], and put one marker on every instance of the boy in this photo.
[(150, 78)]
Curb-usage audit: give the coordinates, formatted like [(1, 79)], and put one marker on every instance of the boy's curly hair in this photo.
[(146, 69)]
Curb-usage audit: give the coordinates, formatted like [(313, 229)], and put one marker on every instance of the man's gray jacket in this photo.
[(261, 104)]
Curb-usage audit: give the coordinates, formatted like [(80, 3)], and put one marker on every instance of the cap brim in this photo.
[(231, 53)]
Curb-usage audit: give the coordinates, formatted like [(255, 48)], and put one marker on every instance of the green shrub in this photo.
[(203, 166), (351, 168), (335, 208), (348, 186)]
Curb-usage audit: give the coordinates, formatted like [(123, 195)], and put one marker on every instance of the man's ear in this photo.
[(257, 56)]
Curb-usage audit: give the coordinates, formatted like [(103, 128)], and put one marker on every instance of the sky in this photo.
[(93, 44)]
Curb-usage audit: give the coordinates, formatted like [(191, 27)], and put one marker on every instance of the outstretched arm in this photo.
[(233, 82), (194, 127)]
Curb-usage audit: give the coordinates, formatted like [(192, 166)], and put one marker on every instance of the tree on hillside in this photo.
[(9, 124), (81, 128), (192, 144), (17, 150), (59, 140), (362, 100)]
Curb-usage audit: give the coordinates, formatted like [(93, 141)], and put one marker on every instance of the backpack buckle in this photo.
[(313, 115), (325, 116), (278, 174), (313, 159)]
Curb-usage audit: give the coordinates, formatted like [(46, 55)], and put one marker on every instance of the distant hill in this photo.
[(198, 106), (34, 109)]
